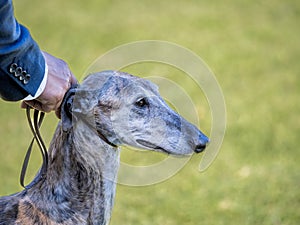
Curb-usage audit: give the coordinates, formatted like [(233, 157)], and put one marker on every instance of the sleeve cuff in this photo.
[(41, 87)]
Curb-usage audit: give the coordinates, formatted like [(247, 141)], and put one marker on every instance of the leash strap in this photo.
[(35, 129)]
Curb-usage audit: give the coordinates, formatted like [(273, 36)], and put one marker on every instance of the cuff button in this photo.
[(13, 67), (26, 78)]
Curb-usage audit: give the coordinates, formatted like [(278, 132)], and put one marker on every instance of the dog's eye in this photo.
[(141, 102)]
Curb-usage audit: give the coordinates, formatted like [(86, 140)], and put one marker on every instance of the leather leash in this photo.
[(35, 129)]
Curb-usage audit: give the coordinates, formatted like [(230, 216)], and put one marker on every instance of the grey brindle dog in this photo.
[(107, 110)]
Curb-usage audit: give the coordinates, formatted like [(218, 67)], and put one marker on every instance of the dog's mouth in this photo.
[(151, 146), (105, 139)]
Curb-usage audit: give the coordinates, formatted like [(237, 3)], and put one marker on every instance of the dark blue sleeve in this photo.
[(22, 65)]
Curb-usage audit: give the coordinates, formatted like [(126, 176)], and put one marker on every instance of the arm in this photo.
[(38, 78), (22, 65)]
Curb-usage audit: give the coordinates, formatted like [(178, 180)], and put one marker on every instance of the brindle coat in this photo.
[(109, 109)]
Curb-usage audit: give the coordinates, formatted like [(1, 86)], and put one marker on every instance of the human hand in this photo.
[(59, 80)]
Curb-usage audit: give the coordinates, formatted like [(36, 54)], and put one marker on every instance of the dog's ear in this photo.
[(111, 91), (67, 109), (104, 95), (85, 101)]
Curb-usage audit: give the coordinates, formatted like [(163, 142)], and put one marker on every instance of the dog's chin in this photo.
[(149, 145)]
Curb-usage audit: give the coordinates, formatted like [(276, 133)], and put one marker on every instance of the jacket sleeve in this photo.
[(22, 65)]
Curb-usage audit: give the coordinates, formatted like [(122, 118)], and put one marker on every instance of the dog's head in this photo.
[(127, 110)]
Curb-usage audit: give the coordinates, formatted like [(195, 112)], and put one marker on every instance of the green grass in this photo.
[(252, 47)]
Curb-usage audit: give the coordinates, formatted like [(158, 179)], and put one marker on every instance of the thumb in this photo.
[(33, 104)]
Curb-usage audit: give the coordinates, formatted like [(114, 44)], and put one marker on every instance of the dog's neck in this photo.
[(81, 177)]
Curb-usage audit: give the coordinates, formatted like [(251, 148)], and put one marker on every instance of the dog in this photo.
[(109, 109)]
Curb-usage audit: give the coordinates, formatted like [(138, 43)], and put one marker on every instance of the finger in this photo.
[(57, 107), (24, 105), (73, 79), (34, 104), (39, 106), (58, 113)]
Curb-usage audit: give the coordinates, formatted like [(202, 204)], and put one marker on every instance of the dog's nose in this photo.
[(203, 141), (200, 148)]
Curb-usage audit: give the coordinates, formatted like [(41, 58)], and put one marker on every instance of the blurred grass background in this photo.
[(252, 47)]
